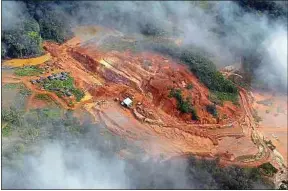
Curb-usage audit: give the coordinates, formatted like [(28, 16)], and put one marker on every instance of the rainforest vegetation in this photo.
[(52, 20)]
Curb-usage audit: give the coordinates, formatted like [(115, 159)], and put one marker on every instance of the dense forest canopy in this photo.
[(23, 41), (275, 9), (53, 20), (229, 34), (38, 20)]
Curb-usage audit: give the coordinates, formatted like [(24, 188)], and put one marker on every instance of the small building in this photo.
[(127, 102)]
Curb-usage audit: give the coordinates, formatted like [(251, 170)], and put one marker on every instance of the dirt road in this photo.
[(174, 137)]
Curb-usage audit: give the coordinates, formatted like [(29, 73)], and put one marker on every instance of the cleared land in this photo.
[(154, 120)]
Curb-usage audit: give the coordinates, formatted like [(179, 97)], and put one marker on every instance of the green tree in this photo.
[(212, 110), (22, 41), (54, 24)]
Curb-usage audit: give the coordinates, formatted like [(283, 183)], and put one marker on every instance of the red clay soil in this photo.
[(34, 89), (273, 125), (154, 81), (153, 120), (34, 103), (123, 74), (9, 78)]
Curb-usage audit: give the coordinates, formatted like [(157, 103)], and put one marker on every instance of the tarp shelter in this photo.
[(127, 102)]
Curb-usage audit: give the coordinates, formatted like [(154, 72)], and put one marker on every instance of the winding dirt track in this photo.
[(176, 138), (193, 130), (245, 124)]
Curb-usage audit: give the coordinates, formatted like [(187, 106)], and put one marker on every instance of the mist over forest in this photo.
[(63, 153), (251, 32), (50, 150)]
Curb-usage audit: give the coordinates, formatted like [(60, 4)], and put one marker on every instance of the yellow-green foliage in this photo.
[(184, 106), (219, 97), (6, 131), (65, 84), (23, 40), (268, 169), (13, 85), (28, 71), (51, 113), (44, 97), (33, 34)]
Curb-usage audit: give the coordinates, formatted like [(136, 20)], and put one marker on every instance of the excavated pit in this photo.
[(153, 119)]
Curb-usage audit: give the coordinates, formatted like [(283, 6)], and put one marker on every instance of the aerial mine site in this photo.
[(150, 108)]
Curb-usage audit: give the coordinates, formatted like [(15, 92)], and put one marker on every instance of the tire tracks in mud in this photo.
[(246, 121), (263, 150), (147, 134), (190, 129)]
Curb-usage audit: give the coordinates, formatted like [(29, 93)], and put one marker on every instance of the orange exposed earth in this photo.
[(272, 108), (108, 77)]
